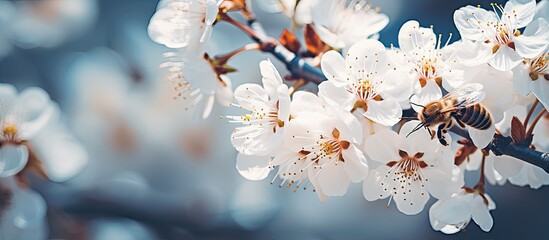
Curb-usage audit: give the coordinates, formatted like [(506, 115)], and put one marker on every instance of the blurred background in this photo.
[(155, 172)]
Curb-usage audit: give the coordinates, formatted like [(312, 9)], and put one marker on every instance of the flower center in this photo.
[(540, 66), (364, 91), (10, 132)]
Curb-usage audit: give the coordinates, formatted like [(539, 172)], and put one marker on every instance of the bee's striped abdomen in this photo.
[(475, 116)]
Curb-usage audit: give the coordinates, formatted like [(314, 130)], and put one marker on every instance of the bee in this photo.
[(461, 105)]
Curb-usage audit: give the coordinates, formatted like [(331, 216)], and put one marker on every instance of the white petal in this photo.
[(271, 78), (371, 188), (451, 211), (329, 37), (383, 146), (29, 210), (283, 103), (521, 12), (303, 101), (534, 40), (507, 166), (386, 112), (398, 85), (505, 58), (540, 88), (431, 92), (482, 216), (474, 53), (13, 159), (255, 140), (481, 138), (414, 201), (336, 96), (224, 92), (63, 157), (452, 79), (468, 19), (355, 164), (334, 68), (7, 94), (208, 106), (248, 95), (368, 55), (254, 168), (333, 179), (443, 183), (521, 79), (411, 36)]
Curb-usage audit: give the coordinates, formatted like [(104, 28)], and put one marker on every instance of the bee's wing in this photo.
[(466, 95)]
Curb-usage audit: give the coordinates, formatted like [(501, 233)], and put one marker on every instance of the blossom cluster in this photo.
[(353, 129)]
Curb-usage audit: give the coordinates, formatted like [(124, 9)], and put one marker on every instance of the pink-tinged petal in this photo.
[(224, 92), (372, 188), (386, 112), (413, 201), (329, 37), (521, 79), (271, 78), (540, 88), (443, 183), (383, 146), (13, 159), (411, 36), (507, 166), (520, 12), (481, 138), (368, 55), (355, 164), (474, 53), (469, 18), (334, 68), (254, 168), (534, 40), (336, 96), (505, 58), (431, 92), (248, 94), (481, 215), (333, 179)]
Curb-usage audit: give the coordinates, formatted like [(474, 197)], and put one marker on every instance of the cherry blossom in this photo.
[(365, 81), (263, 126), (494, 37), (431, 62), (410, 169), (180, 23), (532, 75), (341, 23), (453, 214)]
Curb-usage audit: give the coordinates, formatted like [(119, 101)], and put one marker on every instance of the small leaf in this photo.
[(312, 41), (518, 132), (290, 41)]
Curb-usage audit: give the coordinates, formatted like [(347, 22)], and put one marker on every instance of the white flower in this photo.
[(495, 38), (195, 81), (29, 124), (262, 130), (431, 66), (453, 214), (365, 80), (410, 169), (180, 23), (532, 75), (322, 146), (341, 23)]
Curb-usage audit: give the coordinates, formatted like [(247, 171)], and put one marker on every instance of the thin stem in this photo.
[(527, 119), (481, 179), (225, 17), (535, 122), (298, 84), (222, 59)]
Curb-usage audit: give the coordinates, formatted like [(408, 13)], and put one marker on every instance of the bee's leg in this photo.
[(440, 136), (459, 122)]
